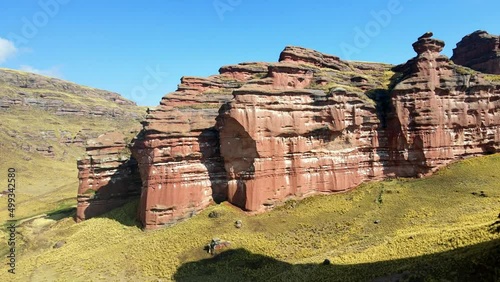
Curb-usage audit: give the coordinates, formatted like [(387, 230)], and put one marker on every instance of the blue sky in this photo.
[(140, 49)]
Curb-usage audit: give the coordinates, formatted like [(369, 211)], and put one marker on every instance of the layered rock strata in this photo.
[(258, 134), (440, 113), (479, 51), (280, 143), (48, 93), (311, 129), (178, 151), (108, 176)]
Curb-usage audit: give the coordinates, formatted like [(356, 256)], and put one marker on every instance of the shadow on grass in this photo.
[(480, 262), (62, 213), (123, 188), (125, 215)]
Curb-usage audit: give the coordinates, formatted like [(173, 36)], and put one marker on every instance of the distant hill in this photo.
[(44, 124)]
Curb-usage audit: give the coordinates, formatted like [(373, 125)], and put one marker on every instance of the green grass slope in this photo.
[(440, 227)]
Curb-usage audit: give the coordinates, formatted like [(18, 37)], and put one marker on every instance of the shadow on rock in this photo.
[(212, 160), (124, 187)]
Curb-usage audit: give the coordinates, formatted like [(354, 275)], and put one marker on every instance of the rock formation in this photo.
[(108, 176), (479, 51), (311, 129), (178, 150), (440, 113), (258, 134)]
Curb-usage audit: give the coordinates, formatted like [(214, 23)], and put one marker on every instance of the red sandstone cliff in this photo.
[(260, 133), (440, 113), (178, 150), (108, 176), (289, 141), (479, 51), (310, 129)]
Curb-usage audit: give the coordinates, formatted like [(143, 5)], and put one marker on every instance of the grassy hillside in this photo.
[(441, 227), (40, 114)]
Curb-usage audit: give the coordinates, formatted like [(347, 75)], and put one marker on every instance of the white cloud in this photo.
[(7, 50), (52, 72)]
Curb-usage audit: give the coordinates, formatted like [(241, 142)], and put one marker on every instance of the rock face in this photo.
[(312, 129), (178, 151), (479, 51), (258, 134), (281, 143), (298, 55), (108, 176), (439, 113)]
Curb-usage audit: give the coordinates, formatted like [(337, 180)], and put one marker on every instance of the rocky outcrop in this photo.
[(244, 71), (108, 176), (178, 150), (440, 113), (479, 51), (280, 143), (311, 129), (258, 134), (308, 56)]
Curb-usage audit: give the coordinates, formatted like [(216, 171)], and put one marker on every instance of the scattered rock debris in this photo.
[(59, 244), (480, 194), (216, 244), (238, 224), (215, 214)]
